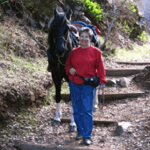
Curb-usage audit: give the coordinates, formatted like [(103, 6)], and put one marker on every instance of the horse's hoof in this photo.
[(56, 122), (72, 128)]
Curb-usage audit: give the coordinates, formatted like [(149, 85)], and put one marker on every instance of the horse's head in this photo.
[(60, 27)]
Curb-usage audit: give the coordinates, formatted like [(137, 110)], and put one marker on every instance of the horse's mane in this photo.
[(50, 33)]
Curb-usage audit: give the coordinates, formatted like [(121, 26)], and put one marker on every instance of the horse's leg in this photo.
[(57, 82), (58, 105), (72, 123), (58, 113), (96, 99)]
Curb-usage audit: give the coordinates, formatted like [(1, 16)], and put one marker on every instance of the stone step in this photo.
[(73, 146), (122, 72), (133, 63), (147, 84), (115, 96), (97, 121), (111, 96)]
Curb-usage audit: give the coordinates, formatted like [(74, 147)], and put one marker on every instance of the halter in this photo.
[(61, 37)]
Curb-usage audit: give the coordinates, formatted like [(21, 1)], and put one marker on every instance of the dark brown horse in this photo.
[(61, 40)]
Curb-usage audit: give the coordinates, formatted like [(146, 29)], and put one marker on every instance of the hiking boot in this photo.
[(87, 141), (78, 137)]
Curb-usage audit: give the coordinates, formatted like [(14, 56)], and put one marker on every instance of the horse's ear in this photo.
[(55, 12), (68, 14)]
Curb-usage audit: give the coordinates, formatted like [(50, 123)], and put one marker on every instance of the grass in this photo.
[(30, 69), (23, 76), (124, 54), (24, 122), (138, 53)]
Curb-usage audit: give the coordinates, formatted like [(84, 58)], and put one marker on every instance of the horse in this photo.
[(62, 38)]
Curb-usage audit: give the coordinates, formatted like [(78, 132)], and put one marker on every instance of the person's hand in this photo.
[(72, 71), (102, 86)]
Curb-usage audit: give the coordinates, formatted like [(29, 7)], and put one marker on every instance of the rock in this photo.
[(123, 82), (110, 83), (121, 38), (125, 125), (102, 140), (143, 78), (121, 128)]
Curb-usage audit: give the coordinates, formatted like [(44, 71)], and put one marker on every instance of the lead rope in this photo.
[(62, 63), (101, 102)]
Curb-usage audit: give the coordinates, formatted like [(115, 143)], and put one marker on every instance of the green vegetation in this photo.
[(23, 69), (133, 9), (26, 121), (94, 9), (137, 53), (4, 1), (142, 37), (127, 29)]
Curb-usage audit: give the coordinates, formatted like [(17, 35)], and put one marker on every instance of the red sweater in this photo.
[(87, 62)]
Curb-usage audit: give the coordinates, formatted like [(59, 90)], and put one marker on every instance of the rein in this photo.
[(55, 39), (63, 63)]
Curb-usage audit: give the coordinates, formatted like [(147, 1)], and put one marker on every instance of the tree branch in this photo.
[(110, 26)]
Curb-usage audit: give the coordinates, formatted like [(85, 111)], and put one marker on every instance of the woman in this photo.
[(84, 61)]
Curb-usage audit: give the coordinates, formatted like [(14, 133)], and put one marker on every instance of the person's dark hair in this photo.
[(86, 30)]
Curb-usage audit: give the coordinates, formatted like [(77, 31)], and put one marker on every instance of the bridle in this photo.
[(62, 63), (64, 40), (60, 37)]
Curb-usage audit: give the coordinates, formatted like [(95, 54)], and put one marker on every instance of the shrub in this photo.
[(94, 9), (142, 37)]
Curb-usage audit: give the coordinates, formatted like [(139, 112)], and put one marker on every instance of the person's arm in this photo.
[(101, 70), (68, 67)]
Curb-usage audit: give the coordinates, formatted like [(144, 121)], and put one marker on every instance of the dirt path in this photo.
[(132, 111)]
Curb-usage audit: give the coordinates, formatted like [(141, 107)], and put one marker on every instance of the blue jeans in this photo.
[(82, 97)]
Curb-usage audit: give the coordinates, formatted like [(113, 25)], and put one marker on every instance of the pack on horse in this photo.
[(61, 40)]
